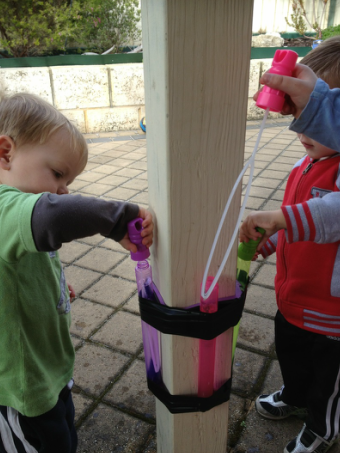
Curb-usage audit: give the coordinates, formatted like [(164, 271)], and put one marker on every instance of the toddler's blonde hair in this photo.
[(28, 119), (324, 60)]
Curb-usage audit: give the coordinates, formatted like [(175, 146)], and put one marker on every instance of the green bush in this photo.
[(30, 27), (331, 31), (36, 27), (300, 20), (107, 24)]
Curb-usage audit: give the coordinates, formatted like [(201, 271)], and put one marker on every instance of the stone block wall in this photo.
[(104, 97), (97, 98)]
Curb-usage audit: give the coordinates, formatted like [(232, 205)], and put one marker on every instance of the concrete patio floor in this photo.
[(115, 412)]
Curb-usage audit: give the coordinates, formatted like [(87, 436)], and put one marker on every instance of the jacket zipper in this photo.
[(306, 170)]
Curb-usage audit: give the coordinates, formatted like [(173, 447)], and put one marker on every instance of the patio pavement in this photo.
[(115, 412)]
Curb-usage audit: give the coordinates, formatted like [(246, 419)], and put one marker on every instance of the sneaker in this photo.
[(308, 442), (271, 406)]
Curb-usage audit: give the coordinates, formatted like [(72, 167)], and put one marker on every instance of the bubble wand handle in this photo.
[(284, 62), (206, 355), (205, 293)]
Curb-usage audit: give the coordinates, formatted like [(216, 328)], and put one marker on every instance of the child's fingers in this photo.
[(145, 215), (147, 241), (262, 242), (72, 291), (128, 245), (147, 235)]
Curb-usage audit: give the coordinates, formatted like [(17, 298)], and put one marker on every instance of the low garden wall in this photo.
[(101, 97)]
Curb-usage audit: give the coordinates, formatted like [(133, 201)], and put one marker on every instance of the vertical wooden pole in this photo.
[(196, 67)]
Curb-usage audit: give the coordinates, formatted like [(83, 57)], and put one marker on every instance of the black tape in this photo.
[(191, 322), (182, 404), (195, 324)]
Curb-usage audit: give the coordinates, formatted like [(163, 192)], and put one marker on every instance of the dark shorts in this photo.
[(52, 432)]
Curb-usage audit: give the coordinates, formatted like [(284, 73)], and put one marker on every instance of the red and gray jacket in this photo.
[(307, 282)]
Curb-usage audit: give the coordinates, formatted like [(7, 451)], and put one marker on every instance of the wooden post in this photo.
[(196, 67)]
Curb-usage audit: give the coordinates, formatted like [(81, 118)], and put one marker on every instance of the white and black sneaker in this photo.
[(271, 406), (308, 442)]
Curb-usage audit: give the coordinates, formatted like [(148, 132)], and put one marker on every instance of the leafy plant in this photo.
[(300, 20), (30, 27), (108, 25), (36, 27), (331, 31)]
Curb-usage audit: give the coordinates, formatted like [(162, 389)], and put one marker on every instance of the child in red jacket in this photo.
[(305, 234)]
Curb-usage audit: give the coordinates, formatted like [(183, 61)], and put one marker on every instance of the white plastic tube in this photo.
[(250, 163)]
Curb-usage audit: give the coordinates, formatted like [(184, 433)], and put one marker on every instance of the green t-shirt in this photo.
[(37, 355)]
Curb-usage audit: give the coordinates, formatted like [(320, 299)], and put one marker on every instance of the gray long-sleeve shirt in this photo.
[(62, 218)]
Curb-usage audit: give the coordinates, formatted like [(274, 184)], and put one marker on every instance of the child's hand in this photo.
[(256, 255), (146, 233), (72, 292), (297, 88), (271, 221)]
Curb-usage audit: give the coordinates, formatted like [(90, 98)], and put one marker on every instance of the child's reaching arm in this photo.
[(62, 218), (271, 221), (314, 105), (269, 247), (298, 88), (316, 220)]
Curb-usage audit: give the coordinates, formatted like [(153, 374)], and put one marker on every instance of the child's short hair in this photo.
[(324, 60), (28, 119)]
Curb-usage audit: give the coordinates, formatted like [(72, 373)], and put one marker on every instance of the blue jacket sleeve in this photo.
[(320, 120)]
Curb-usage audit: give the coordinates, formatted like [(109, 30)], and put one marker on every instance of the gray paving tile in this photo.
[(125, 269), (80, 278), (96, 367), (246, 371), (114, 180), (266, 182), (108, 430), (106, 169), (121, 193), (110, 291), (132, 304), (278, 195), (93, 240), (128, 172), (72, 250), (274, 174), (123, 331), (113, 245), (96, 189), (141, 198), (267, 436), (87, 316), (266, 275), (272, 205), (100, 160), (90, 176), (81, 404), (261, 301), (100, 259), (256, 333), (136, 184), (131, 392)]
